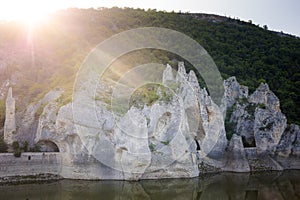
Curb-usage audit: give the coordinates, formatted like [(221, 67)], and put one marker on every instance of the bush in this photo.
[(17, 153), (165, 142), (25, 146), (2, 112), (262, 106), (16, 145), (17, 149), (152, 147), (3, 145)]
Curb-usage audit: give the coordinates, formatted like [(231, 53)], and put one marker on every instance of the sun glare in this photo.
[(30, 17), (30, 11)]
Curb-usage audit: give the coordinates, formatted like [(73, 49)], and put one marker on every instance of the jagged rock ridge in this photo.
[(181, 137)]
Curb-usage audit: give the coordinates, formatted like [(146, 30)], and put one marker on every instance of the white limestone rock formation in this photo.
[(288, 144), (262, 126), (27, 121), (56, 125), (46, 125), (168, 139), (205, 119), (263, 95), (269, 123), (243, 117), (10, 119), (154, 142), (258, 118), (268, 129), (236, 156), (168, 75), (234, 91), (296, 143)]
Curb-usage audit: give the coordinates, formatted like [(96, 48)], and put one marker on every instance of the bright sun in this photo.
[(29, 11), (30, 17)]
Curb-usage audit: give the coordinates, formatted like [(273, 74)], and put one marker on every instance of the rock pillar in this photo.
[(10, 120)]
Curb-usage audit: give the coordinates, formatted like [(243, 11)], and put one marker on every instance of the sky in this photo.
[(278, 15)]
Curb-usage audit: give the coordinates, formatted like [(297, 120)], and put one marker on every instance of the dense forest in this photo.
[(38, 59)]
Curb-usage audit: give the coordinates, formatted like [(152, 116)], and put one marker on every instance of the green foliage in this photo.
[(262, 106), (25, 146), (66, 97), (15, 145), (173, 86), (249, 52), (152, 147), (40, 110), (166, 95), (242, 100), (250, 108), (2, 112), (149, 94), (165, 142), (3, 145), (17, 149), (17, 153)]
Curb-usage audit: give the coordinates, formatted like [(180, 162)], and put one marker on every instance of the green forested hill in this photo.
[(49, 55)]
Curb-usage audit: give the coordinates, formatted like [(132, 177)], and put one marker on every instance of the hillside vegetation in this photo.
[(49, 55)]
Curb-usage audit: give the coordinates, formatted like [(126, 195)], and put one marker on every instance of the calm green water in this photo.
[(271, 185)]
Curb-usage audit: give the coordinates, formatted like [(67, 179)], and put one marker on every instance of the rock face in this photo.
[(263, 128), (236, 156), (57, 127), (234, 91), (10, 119), (168, 75), (239, 111), (289, 143), (180, 134), (258, 118), (244, 120), (296, 143), (27, 121), (263, 95), (157, 141), (268, 129), (270, 123)]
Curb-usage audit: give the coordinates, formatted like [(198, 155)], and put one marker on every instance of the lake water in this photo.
[(267, 185)]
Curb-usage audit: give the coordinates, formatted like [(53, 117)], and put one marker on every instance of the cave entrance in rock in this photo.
[(48, 146), (248, 143)]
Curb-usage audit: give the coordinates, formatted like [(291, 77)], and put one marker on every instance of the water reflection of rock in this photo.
[(267, 185)]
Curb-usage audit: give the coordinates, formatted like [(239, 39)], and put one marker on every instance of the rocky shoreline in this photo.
[(27, 179), (49, 178)]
